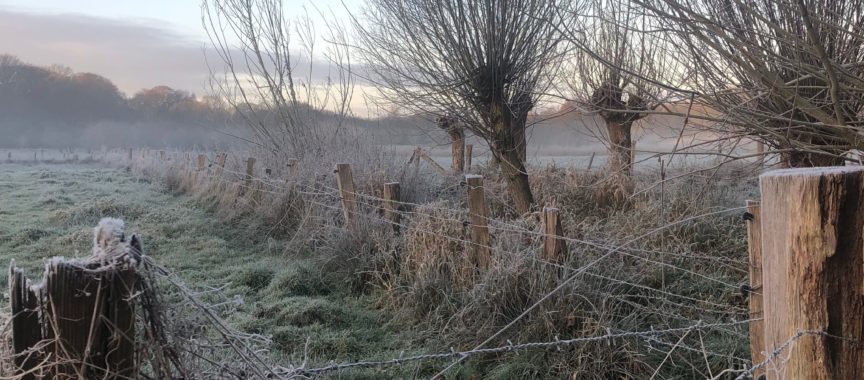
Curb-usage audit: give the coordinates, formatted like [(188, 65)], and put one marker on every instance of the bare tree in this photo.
[(613, 71), (483, 62), (788, 72), (278, 85)]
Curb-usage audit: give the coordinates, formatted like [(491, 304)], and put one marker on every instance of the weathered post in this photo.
[(469, 152), (161, 155), (591, 161), (130, 154), (478, 217), (554, 245), (345, 181), (812, 270), (250, 170), (220, 163), (391, 204), (754, 291), (202, 162), (292, 166), (27, 331)]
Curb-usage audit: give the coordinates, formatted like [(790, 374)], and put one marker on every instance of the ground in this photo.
[(48, 210)]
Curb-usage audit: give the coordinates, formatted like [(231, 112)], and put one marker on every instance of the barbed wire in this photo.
[(517, 347), (334, 193)]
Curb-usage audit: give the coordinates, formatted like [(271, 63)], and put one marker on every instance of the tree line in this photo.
[(39, 106)]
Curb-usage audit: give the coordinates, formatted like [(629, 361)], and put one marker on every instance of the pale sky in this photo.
[(135, 43)]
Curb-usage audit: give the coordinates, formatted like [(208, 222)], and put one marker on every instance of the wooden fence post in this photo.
[(391, 204), (812, 270), (27, 331), (591, 161), (469, 151), (754, 292), (220, 163), (478, 216), (250, 170), (202, 162), (345, 181), (554, 245), (292, 166), (161, 155)]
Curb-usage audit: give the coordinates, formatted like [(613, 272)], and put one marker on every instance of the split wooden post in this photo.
[(391, 204), (754, 292), (478, 217), (345, 181), (469, 151), (812, 271), (250, 170), (554, 245), (27, 331), (202, 162), (292, 166)]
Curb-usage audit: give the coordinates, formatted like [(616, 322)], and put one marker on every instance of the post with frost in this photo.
[(391, 204), (345, 181), (812, 270), (554, 245), (478, 217)]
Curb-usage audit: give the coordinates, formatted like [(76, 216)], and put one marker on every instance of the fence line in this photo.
[(278, 187)]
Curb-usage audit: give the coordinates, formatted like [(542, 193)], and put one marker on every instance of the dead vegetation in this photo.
[(686, 266)]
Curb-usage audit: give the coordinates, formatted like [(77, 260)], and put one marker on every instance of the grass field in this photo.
[(48, 210)]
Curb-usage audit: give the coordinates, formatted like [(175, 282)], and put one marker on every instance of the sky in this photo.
[(135, 43)]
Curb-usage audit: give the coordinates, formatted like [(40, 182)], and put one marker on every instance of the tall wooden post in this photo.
[(345, 181), (754, 292), (202, 162), (220, 163), (292, 166), (161, 155), (130, 154), (554, 245), (250, 170), (478, 216), (812, 270), (469, 152), (391, 204)]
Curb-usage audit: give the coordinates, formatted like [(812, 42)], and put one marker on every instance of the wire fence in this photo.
[(327, 197)]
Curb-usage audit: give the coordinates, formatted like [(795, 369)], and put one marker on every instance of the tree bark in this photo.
[(620, 144), (516, 176), (520, 138), (507, 151), (457, 148)]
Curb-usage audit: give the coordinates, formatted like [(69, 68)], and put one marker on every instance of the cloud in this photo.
[(133, 54)]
